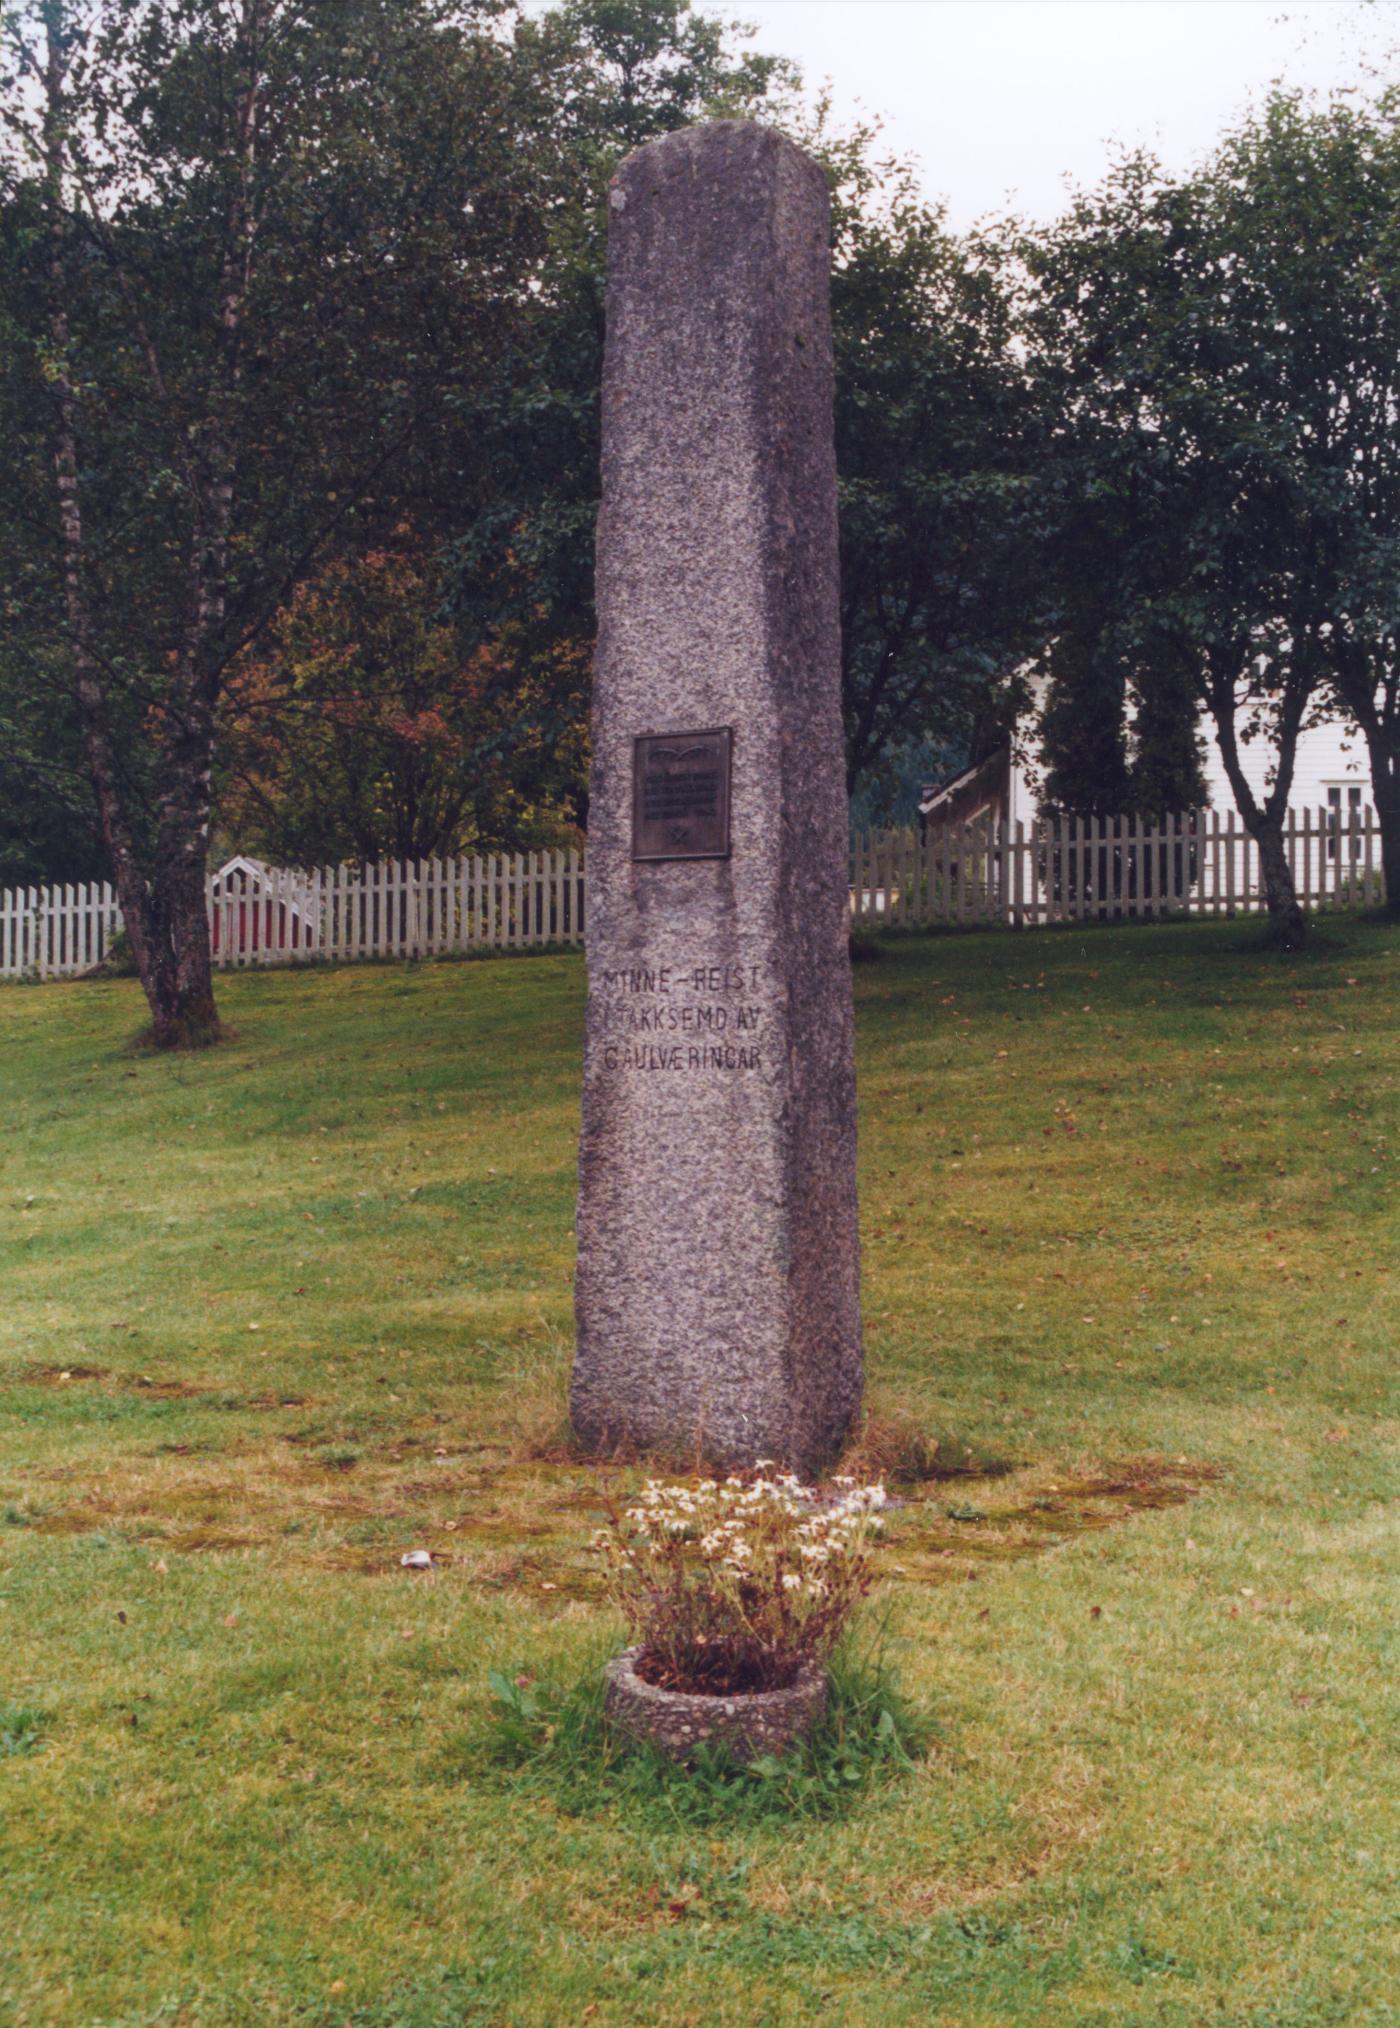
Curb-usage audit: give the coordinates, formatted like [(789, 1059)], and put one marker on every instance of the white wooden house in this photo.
[(1331, 780)]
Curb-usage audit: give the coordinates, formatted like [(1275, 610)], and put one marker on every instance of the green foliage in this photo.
[(642, 68), (1221, 352), (259, 356), (421, 342), (1084, 732), (362, 728), (935, 425), (937, 437), (119, 962), (552, 1738), (1168, 757), (22, 1730), (614, 73), (1120, 738)]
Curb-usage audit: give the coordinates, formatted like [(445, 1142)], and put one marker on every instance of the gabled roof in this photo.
[(934, 793), (256, 881)]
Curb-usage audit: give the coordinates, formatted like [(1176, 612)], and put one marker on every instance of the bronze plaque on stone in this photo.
[(680, 794)]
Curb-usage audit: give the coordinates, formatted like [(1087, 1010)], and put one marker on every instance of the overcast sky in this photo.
[(1000, 98)]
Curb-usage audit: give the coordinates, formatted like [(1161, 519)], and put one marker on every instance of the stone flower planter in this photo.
[(676, 1721)]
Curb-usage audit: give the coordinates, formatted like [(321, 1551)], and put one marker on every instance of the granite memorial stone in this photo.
[(717, 1289)]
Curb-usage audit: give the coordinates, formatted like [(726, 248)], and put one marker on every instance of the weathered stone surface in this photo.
[(717, 1289), (676, 1721)]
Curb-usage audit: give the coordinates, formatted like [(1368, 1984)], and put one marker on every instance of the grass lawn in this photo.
[(274, 1315)]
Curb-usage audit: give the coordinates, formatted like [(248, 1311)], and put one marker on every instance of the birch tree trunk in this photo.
[(161, 885), (1288, 926), (1385, 793), (1367, 684)]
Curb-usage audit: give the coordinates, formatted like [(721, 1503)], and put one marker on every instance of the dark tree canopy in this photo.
[(1186, 336), (258, 248), (278, 280), (937, 437)]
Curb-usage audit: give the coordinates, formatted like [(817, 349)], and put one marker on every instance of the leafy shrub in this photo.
[(739, 1584), (120, 959)]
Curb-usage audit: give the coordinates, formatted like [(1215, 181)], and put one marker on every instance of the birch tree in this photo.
[(268, 238)]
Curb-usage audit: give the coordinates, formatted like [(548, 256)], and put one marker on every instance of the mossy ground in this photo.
[(276, 1313)]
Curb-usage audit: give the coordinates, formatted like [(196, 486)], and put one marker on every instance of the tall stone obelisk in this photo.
[(717, 1292)]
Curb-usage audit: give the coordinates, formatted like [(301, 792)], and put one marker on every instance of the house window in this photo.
[(1344, 796)]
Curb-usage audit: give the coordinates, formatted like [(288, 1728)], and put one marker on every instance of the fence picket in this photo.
[(1368, 894), (1068, 868), (1079, 883)]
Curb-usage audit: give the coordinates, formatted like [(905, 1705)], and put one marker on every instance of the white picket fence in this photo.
[(282, 915), (56, 932), (1072, 870), (1082, 869)]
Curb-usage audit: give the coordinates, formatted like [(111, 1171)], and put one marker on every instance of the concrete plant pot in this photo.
[(751, 1724)]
